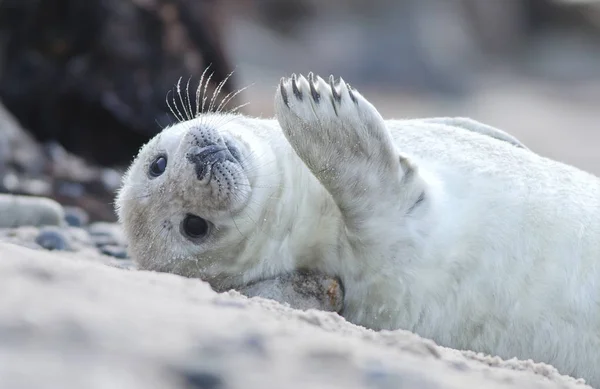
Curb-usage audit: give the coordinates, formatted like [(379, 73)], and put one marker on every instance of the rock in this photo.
[(27, 168), (52, 238), (203, 380), (107, 234), (96, 74), (114, 251), (19, 147), (104, 245), (68, 322), (18, 211), (76, 217)]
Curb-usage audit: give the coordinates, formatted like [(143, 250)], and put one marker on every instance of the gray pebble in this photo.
[(114, 251), (52, 238), (203, 380), (106, 234), (103, 240), (17, 211), (76, 217)]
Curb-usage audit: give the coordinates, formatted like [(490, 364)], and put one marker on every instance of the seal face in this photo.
[(182, 194), (445, 227)]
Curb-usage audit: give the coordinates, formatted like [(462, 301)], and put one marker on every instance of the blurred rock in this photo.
[(93, 75), (16, 211), (76, 217), (118, 252), (28, 168), (53, 239), (17, 147), (71, 239), (106, 234)]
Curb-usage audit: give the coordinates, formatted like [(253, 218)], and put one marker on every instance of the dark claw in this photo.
[(336, 96), (295, 89), (313, 91), (350, 90), (284, 95)]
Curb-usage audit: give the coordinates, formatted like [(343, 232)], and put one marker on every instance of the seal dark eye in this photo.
[(158, 166), (194, 226)]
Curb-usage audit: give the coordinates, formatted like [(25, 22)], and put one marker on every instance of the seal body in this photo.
[(445, 227)]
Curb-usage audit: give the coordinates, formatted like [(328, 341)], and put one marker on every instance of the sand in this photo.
[(69, 320)]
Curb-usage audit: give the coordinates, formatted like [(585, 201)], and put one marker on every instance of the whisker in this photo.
[(199, 89), (171, 107), (230, 96), (204, 97), (178, 89), (175, 103), (237, 108), (219, 88), (216, 93)]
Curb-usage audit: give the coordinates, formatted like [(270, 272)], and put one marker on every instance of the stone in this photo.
[(16, 211)]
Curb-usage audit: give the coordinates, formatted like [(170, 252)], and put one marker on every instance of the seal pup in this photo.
[(441, 227)]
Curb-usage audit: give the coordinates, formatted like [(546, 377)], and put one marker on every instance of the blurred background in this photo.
[(83, 84)]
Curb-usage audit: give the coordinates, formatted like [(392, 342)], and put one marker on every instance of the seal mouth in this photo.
[(233, 150)]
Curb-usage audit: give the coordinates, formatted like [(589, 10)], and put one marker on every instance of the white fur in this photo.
[(501, 256)]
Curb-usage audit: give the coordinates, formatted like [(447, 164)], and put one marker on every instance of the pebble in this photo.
[(17, 211), (76, 217), (69, 238), (118, 252), (52, 238), (203, 380), (106, 234)]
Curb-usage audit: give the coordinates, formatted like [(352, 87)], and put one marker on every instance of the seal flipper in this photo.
[(344, 141), (301, 289)]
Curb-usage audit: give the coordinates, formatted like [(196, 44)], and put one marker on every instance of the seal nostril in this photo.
[(194, 227), (204, 158)]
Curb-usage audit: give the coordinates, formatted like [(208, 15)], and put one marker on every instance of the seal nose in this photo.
[(203, 158)]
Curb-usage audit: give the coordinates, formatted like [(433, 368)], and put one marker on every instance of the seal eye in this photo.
[(158, 166), (194, 226)]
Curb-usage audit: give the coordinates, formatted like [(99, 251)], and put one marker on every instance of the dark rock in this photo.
[(203, 380), (53, 239), (93, 75), (26, 168)]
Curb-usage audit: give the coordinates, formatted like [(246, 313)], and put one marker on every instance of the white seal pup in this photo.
[(445, 227)]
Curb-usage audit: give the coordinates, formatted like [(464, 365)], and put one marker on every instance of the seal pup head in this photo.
[(188, 199)]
